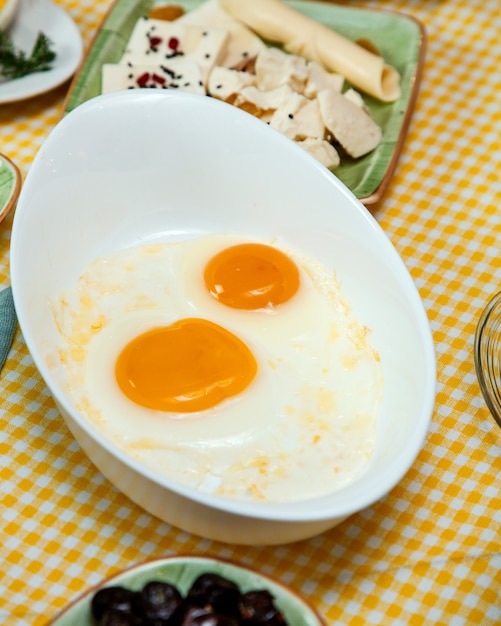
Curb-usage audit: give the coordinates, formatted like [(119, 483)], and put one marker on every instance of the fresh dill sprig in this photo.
[(15, 63)]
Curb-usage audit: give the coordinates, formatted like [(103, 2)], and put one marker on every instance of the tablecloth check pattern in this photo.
[(428, 553)]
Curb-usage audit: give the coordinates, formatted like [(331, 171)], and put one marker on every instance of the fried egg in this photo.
[(230, 365)]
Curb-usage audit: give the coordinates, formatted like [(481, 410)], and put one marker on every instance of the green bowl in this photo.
[(181, 571), (10, 185)]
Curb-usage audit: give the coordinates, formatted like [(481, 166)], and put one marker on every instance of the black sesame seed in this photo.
[(166, 70), (291, 116), (207, 56), (218, 86), (129, 64), (200, 83), (245, 54), (187, 84), (130, 76), (205, 33)]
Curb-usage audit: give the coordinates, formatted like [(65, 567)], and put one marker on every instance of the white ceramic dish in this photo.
[(140, 166), (32, 17)]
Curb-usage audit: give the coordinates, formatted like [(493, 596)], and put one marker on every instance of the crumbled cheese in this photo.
[(275, 68), (226, 84), (322, 150), (260, 102), (349, 124), (319, 79), (298, 118)]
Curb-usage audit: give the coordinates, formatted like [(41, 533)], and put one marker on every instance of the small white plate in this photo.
[(34, 16)]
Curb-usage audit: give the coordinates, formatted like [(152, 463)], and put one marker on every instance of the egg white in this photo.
[(304, 427)]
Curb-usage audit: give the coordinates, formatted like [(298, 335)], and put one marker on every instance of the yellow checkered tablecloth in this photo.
[(428, 553)]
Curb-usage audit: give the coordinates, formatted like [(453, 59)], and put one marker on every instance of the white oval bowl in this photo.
[(139, 166)]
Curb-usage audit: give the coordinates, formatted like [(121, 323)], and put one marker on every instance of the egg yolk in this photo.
[(251, 276), (191, 365)]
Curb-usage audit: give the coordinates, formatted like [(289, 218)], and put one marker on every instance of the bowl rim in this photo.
[(16, 186), (285, 512)]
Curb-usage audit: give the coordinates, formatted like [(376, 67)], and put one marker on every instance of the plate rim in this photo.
[(375, 197), (193, 557), (371, 200), (77, 43)]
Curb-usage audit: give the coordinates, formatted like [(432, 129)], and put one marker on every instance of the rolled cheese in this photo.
[(275, 21)]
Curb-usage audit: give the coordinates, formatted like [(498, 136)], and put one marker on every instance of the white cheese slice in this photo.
[(225, 83), (242, 43), (209, 50), (179, 73), (349, 124), (153, 42), (275, 68), (299, 118), (322, 150)]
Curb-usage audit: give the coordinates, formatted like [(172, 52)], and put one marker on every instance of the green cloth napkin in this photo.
[(8, 323)]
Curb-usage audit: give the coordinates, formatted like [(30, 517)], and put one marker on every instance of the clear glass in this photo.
[(487, 355)]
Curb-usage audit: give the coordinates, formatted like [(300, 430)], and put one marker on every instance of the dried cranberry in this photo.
[(154, 42), (142, 80), (173, 43), (158, 79)]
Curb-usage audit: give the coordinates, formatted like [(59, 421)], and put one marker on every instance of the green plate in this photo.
[(399, 38), (182, 571), (10, 185)]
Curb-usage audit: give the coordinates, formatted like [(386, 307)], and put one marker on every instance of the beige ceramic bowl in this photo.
[(146, 165)]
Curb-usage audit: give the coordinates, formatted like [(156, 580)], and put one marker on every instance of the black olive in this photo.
[(258, 608), (215, 591), (193, 612), (199, 616), (160, 601), (116, 598), (115, 617)]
